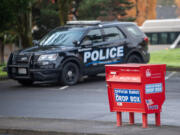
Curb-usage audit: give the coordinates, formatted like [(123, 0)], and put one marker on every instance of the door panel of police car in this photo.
[(100, 50), (90, 51), (115, 42)]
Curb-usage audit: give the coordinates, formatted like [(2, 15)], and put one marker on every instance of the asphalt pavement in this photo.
[(84, 105)]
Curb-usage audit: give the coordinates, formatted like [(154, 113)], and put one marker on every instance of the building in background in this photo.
[(162, 32), (154, 9), (159, 20), (166, 11)]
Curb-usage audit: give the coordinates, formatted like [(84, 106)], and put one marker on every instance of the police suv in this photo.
[(79, 48)]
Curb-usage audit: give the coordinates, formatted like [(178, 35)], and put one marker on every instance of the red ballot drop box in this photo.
[(136, 88)]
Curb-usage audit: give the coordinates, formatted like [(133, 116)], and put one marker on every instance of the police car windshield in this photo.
[(62, 37)]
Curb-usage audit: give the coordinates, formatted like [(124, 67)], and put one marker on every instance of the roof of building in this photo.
[(162, 25)]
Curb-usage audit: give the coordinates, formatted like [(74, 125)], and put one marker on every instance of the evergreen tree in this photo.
[(105, 9), (64, 7), (7, 19), (45, 17), (22, 11)]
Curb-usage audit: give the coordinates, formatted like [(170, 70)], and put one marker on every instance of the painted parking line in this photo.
[(170, 75), (64, 87)]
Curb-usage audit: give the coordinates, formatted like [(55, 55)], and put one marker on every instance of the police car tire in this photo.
[(134, 59), (25, 82), (72, 68)]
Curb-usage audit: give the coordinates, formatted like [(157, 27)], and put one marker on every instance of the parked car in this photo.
[(79, 48)]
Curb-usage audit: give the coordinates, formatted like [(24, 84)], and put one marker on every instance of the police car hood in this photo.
[(38, 50)]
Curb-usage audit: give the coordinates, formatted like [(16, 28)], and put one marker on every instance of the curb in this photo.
[(35, 132), (44, 126), (173, 69)]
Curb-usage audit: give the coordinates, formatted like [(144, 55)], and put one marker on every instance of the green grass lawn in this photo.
[(170, 57), (1, 72)]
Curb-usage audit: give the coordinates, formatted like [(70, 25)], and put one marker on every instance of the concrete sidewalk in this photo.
[(36, 126)]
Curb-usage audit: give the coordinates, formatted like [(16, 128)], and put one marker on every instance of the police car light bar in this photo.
[(83, 22)]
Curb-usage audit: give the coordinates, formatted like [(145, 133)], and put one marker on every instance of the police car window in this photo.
[(95, 36), (133, 30), (61, 38), (112, 34)]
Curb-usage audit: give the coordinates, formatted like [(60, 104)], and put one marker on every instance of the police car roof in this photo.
[(67, 28), (87, 25), (95, 23), (83, 22)]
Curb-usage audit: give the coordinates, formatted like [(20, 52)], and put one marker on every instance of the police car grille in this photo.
[(22, 59)]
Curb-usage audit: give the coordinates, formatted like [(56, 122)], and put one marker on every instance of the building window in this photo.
[(163, 38), (173, 36), (154, 38)]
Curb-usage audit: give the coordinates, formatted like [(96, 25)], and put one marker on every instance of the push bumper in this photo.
[(33, 74), (45, 75)]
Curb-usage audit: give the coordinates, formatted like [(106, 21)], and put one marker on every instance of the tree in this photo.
[(45, 17), (117, 9), (6, 17), (90, 9), (105, 9), (22, 11), (15, 15), (74, 8), (177, 2), (1, 50), (64, 8)]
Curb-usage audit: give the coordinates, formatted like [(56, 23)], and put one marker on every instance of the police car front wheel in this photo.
[(70, 74)]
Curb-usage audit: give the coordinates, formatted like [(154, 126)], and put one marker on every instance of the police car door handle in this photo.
[(125, 42), (86, 46), (98, 45)]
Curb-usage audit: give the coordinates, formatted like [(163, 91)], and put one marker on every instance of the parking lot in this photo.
[(85, 101)]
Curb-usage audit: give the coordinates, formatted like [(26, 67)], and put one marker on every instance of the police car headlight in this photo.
[(50, 57)]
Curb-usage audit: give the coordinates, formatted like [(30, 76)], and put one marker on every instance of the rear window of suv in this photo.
[(133, 30)]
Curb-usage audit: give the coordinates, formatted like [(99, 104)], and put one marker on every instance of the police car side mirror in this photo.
[(76, 43), (35, 42)]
